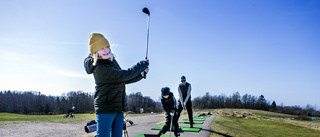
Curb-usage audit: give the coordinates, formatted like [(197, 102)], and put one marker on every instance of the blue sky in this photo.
[(268, 48)]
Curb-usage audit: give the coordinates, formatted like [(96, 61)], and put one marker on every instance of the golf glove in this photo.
[(145, 72), (182, 104), (172, 112)]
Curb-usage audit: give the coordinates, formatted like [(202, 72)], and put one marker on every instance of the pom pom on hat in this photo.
[(97, 41)]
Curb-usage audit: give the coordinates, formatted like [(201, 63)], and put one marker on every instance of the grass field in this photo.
[(240, 127), (10, 118)]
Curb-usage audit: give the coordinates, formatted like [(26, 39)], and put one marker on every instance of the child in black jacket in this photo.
[(169, 105)]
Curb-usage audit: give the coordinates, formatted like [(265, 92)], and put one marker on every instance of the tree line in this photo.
[(137, 101), (32, 102), (248, 101)]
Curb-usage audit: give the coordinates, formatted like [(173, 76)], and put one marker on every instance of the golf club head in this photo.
[(151, 135), (146, 11)]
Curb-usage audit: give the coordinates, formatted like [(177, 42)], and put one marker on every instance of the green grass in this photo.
[(9, 118), (239, 127)]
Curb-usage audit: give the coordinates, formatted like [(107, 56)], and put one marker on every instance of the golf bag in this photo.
[(91, 126), (70, 112)]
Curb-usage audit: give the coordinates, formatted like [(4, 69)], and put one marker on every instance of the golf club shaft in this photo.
[(147, 37), (182, 113), (171, 124), (145, 74)]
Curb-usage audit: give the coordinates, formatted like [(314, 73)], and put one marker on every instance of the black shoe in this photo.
[(191, 126), (177, 134)]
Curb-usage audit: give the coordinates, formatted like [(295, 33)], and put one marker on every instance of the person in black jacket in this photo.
[(110, 98), (169, 105)]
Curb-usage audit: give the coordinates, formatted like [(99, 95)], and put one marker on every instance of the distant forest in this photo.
[(32, 102), (250, 102)]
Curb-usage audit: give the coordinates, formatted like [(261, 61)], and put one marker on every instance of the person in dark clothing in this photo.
[(169, 105), (185, 99), (110, 98)]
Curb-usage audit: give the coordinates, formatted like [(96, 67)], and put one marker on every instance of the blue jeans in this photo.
[(110, 124)]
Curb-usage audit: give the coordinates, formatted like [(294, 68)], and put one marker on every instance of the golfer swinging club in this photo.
[(110, 98), (185, 99)]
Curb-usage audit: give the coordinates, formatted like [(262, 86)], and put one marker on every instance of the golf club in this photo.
[(146, 11), (182, 112), (171, 124)]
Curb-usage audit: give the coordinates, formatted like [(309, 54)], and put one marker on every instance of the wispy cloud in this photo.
[(74, 74), (38, 44), (46, 66), (114, 45), (16, 56)]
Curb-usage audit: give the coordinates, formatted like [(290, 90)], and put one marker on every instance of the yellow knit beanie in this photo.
[(96, 42)]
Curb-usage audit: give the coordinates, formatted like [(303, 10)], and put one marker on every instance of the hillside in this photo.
[(247, 122)]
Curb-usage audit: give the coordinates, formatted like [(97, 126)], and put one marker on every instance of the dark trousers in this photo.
[(175, 125), (189, 109)]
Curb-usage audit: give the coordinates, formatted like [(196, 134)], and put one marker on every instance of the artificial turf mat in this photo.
[(142, 135), (184, 128), (194, 122), (198, 116), (196, 119)]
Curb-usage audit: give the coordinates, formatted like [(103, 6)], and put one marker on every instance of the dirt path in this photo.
[(142, 124), (42, 129)]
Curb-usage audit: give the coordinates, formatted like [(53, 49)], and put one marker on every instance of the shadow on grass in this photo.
[(216, 132)]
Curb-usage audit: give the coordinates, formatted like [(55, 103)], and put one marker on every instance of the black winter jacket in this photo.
[(110, 95), (169, 104)]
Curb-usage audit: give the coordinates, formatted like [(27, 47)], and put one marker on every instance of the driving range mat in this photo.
[(184, 128), (202, 116), (145, 135), (194, 122), (196, 119)]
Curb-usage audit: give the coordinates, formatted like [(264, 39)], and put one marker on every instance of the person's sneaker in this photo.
[(180, 130), (191, 126), (178, 134)]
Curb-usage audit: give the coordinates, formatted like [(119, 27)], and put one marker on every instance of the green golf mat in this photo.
[(142, 135), (196, 119), (202, 116), (194, 122), (184, 128)]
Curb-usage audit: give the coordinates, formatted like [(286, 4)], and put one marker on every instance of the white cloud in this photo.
[(74, 74), (114, 45), (16, 56), (38, 44)]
